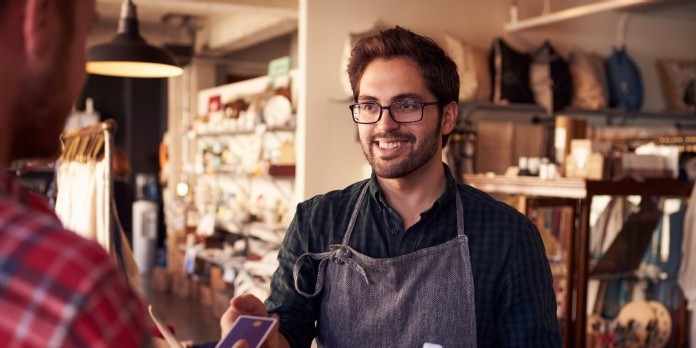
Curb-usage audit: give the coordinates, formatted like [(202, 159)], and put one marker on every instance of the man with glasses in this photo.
[(408, 257)]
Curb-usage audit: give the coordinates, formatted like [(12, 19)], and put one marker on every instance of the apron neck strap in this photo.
[(361, 198), (354, 215)]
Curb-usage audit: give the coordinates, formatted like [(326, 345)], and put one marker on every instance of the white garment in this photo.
[(80, 203), (687, 270)]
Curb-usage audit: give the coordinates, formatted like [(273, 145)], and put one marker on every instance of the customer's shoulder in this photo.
[(35, 230)]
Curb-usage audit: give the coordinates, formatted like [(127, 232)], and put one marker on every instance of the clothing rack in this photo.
[(95, 143), (91, 142)]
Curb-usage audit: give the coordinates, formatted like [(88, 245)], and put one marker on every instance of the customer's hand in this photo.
[(248, 304)]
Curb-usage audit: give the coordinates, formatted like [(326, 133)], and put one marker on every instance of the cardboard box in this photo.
[(566, 129), (592, 167), (494, 147), (221, 301), (161, 280), (282, 170), (175, 260), (205, 294), (499, 144), (216, 281), (182, 285)]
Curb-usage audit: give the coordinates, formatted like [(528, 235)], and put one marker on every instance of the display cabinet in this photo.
[(616, 262), (245, 176), (242, 152)]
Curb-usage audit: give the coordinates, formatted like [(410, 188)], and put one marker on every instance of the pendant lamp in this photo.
[(128, 54)]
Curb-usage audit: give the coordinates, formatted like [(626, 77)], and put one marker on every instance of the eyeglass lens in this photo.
[(402, 112)]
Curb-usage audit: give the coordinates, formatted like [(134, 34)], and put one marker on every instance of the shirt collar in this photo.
[(442, 201)]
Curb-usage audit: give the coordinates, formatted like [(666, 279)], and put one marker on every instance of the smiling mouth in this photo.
[(389, 144)]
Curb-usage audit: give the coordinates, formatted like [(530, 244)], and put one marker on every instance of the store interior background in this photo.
[(237, 39), (325, 133)]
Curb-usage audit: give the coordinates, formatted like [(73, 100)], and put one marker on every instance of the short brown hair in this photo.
[(121, 167), (438, 70)]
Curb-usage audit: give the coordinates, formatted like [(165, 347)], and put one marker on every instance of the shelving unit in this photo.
[(247, 145), (574, 12), (239, 162), (222, 133), (583, 192), (243, 178), (608, 116)]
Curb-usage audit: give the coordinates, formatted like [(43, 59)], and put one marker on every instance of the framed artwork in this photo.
[(678, 78)]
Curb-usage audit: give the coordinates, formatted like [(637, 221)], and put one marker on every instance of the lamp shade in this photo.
[(129, 55)]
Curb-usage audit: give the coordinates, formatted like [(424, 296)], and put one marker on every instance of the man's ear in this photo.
[(449, 117), (40, 29), (13, 24)]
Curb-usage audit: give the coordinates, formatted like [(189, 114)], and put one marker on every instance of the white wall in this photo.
[(330, 155)]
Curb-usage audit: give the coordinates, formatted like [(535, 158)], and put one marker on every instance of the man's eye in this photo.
[(407, 106), (369, 107)]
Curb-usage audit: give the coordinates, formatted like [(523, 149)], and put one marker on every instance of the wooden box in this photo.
[(182, 285), (205, 294), (216, 281), (221, 301), (161, 280)]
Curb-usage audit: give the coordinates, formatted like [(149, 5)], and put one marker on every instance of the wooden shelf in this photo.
[(274, 172), (610, 114), (223, 133), (576, 188), (575, 12), (528, 186)]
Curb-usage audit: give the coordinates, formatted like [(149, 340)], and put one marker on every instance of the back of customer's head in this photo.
[(438, 70), (120, 164), (48, 39)]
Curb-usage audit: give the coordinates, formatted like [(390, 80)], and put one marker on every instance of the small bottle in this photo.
[(533, 164), (513, 12), (544, 169), (522, 165)]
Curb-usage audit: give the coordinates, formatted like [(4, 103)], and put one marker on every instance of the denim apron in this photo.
[(423, 297)]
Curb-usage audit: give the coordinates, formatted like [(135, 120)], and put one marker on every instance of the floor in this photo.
[(191, 320)]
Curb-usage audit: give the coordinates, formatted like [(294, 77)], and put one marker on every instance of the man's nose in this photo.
[(387, 121)]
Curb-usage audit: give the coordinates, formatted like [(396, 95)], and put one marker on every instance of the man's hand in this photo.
[(248, 304)]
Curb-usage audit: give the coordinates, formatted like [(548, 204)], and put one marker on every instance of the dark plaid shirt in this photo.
[(515, 303)]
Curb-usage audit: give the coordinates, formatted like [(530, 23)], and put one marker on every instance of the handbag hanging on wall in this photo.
[(510, 74), (472, 67), (550, 78), (625, 83), (589, 78)]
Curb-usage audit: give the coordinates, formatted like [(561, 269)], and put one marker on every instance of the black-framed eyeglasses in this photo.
[(400, 112)]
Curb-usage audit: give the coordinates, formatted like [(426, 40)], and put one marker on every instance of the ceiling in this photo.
[(151, 11), (680, 10), (223, 25), (244, 23)]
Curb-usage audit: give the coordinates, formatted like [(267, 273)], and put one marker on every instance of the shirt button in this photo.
[(394, 230)]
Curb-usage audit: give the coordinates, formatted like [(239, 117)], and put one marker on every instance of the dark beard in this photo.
[(419, 156)]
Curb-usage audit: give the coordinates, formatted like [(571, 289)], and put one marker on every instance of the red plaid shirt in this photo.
[(56, 288)]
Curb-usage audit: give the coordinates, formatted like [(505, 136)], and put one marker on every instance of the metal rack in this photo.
[(95, 143)]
